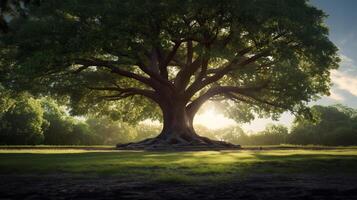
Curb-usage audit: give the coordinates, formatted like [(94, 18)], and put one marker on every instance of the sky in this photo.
[(342, 22)]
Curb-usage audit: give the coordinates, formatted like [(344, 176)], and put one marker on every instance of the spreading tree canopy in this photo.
[(255, 56)]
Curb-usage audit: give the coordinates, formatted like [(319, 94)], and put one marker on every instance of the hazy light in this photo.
[(211, 119), (259, 124)]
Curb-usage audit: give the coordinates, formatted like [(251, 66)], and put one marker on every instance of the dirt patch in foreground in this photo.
[(252, 187)]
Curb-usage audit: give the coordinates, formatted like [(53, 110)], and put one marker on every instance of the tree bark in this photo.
[(178, 125)]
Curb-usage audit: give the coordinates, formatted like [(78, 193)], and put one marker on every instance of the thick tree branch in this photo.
[(234, 64), (249, 98), (155, 75), (126, 92), (183, 77), (86, 63), (201, 62), (158, 70), (203, 72), (240, 54), (163, 65), (194, 106), (189, 53)]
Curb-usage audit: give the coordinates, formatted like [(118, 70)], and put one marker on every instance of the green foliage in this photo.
[(5, 100), (335, 125), (62, 128), (22, 123), (42, 121), (332, 125), (272, 135), (46, 48), (144, 131), (109, 132), (233, 135)]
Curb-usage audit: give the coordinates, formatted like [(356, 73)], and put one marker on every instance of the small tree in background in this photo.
[(334, 125), (22, 123)]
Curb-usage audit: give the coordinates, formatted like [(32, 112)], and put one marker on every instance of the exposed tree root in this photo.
[(178, 143)]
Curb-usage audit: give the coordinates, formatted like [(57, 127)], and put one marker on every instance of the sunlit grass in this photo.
[(47, 151), (175, 167), (300, 146), (57, 146)]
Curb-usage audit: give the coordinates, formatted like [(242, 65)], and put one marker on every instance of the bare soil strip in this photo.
[(62, 186)]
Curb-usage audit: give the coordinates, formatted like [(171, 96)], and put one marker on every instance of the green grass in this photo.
[(176, 167), (56, 146), (296, 146)]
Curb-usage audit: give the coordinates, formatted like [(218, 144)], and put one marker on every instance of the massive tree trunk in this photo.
[(178, 125), (178, 131)]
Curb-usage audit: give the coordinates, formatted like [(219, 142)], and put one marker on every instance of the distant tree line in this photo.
[(332, 125), (25, 120)]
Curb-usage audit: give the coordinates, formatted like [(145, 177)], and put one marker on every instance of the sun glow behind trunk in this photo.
[(212, 119)]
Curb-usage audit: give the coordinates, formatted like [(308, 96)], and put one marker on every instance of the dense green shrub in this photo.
[(22, 123)]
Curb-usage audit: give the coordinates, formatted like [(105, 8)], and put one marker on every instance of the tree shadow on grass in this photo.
[(185, 163), (305, 163)]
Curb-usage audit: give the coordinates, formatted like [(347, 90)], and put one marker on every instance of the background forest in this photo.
[(33, 121)]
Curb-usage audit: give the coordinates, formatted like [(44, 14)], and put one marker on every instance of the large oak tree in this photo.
[(262, 56)]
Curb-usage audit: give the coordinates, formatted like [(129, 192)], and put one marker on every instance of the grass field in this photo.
[(176, 166), (276, 172)]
